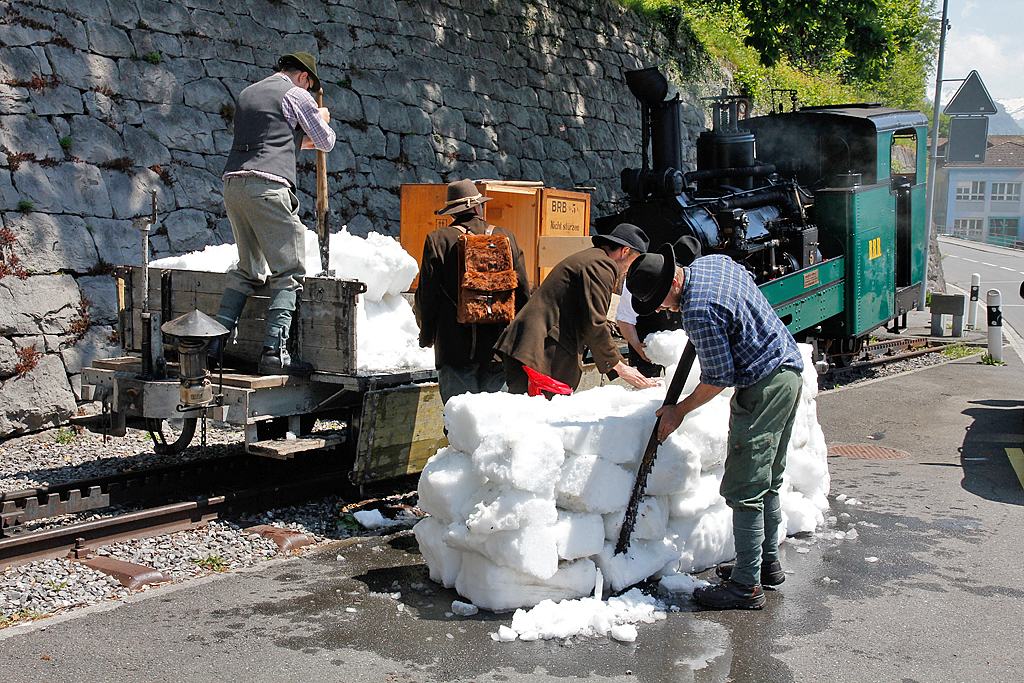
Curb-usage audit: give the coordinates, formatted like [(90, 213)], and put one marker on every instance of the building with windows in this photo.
[(982, 201)]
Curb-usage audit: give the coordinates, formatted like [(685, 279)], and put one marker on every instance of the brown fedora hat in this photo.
[(649, 279), (462, 196), (303, 61)]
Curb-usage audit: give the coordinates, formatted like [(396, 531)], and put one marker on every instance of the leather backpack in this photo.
[(487, 280)]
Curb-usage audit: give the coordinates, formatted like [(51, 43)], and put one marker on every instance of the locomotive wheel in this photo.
[(160, 444), (844, 351)]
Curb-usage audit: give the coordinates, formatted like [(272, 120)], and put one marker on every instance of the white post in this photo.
[(995, 326), (972, 306)]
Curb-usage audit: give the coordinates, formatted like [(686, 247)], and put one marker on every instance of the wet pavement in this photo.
[(929, 590)]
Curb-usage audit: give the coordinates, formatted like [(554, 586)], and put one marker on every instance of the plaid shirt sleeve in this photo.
[(300, 108)]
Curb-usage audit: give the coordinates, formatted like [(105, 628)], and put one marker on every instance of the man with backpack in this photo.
[(473, 280)]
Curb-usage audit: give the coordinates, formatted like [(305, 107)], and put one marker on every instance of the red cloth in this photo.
[(539, 383)]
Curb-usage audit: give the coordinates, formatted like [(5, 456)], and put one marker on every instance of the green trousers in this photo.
[(760, 424), (265, 221)]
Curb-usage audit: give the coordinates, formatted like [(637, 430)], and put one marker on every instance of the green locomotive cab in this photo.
[(865, 165)]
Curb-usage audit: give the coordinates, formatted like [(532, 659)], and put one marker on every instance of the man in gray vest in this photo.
[(275, 119)]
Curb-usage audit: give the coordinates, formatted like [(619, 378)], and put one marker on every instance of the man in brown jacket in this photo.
[(568, 313), (463, 354)]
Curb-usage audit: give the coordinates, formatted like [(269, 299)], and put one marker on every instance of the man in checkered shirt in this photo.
[(741, 343), (275, 119)]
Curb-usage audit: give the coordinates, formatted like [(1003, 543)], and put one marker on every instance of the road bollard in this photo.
[(995, 326), (972, 307)]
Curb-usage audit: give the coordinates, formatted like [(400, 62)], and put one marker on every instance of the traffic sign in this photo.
[(971, 98), (968, 139)]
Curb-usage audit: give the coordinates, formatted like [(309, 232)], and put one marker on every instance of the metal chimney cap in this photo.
[(194, 324), (647, 85)]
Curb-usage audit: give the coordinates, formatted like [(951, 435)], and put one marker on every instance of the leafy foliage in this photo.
[(830, 51)]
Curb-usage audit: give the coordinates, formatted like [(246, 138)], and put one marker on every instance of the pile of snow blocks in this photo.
[(527, 500)]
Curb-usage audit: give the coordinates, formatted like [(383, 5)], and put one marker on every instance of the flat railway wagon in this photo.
[(825, 206), (387, 423)]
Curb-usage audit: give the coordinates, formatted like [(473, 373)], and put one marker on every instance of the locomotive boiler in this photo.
[(825, 206)]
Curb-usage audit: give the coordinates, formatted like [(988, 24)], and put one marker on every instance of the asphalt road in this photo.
[(1000, 268)]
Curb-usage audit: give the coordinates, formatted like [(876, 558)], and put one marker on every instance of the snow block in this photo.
[(443, 562), (500, 589), (592, 484), (578, 535), (447, 483)]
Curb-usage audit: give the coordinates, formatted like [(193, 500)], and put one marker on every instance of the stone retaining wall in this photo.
[(102, 102)]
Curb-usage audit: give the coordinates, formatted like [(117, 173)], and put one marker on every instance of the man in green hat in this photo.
[(274, 120)]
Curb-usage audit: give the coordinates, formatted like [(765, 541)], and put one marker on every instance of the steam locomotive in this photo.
[(825, 206)]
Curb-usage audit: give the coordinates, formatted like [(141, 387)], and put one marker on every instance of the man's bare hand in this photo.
[(640, 350), (634, 377), (671, 418), (325, 114)]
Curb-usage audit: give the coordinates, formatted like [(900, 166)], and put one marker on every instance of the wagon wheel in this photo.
[(160, 445)]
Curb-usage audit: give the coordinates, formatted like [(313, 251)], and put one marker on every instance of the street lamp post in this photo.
[(930, 185)]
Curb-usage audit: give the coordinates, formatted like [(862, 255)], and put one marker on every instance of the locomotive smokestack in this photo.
[(660, 118)]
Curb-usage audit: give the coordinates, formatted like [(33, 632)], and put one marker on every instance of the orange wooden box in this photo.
[(549, 224)]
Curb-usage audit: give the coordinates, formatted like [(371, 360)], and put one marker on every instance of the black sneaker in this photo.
[(771, 572), (280, 362), (730, 595)]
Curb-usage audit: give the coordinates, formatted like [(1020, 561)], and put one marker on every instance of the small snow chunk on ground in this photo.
[(682, 583), (871, 559), (464, 609), (370, 519), (504, 635), (625, 633)]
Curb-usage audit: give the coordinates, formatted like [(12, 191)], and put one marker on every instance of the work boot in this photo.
[(279, 362), (730, 595), (231, 304), (771, 572)]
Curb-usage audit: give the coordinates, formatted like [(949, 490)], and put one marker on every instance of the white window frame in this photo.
[(1005, 192), (970, 190)]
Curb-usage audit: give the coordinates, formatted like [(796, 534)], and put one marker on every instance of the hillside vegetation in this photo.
[(828, 51)]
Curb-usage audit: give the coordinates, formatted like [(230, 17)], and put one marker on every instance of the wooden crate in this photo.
[(549, 224), (325, 324)]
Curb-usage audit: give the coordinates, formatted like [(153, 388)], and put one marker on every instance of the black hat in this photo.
[(686, 249), (649, 279), (303, 61), (624, 235), (462, 196)]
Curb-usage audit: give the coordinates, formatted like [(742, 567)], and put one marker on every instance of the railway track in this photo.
[(883, 353), (61, 541), (170, 498)]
